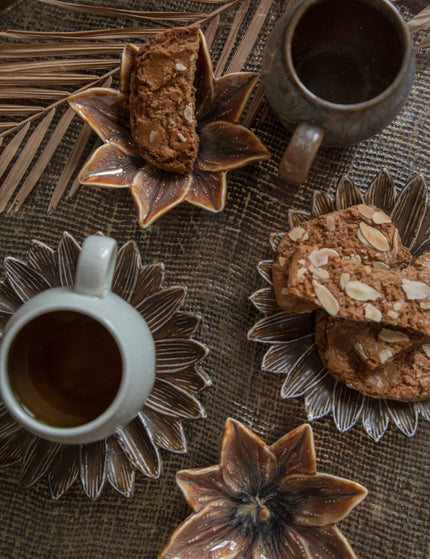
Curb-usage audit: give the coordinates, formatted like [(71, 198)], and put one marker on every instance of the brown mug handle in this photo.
[(300, 152)]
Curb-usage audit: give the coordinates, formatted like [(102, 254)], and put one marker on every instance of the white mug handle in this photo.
[(96, 265)]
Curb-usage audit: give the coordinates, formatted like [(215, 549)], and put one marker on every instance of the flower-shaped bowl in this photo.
[(223, 144), (173, 398), (293, 352)]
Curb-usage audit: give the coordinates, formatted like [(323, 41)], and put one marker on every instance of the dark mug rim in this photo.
[(401, 27)]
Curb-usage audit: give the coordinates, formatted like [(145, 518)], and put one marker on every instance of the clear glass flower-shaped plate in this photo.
[(174, 397), (224, 144), (264, 502), (293, 352)]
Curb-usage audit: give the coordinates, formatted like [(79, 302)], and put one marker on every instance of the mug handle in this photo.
[(96, 265), (300, 152)]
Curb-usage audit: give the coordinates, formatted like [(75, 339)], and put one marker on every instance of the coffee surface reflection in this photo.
[(65, 368)]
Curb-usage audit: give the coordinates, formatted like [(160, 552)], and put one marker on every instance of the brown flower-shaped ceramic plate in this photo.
[(173, 398), (293, 352), (264, 502), (224, 144)]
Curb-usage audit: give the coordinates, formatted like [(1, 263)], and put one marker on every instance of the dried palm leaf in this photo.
[(421, 20), (24, 50), (31, 93), (10, 150), (211, 30), (232, 36), (58, 65), (96, 34), (18, 110)]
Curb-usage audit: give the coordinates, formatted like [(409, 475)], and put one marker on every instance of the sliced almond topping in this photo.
[(426, 349), (189, 113), (381, 266), (365, 211), (329, 251), (385, 354), (393, 314), (282, 261), (318, 258), (356, 258), (301, 272), (361, 291), (415, 289), (182, 137), (380, 217), (372, 313), (344, 279), (425, 305), (152, 136), (396, 243), (362, 238), (305, 236), (296, 233), (360, 351), (326, 299), (284, 291), (330, 223), (397, 305), (319, 273), (302, 261), (393, 336), (180, 67), (374, 237)]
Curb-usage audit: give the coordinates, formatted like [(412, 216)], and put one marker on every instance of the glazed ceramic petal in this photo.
[(127, 60), (64, 470), (37, 460), (25, 281), (284, 544), (295, 452), (275, 239), (375, 418), (9, 301), (208, 190), (167, 399), (166, 431), (156, 191), (424, 408), (150, 280), (247, 464), (127, 270), (14, 446), (320, 499), (297, 217), (68, 254), (107, 112), (347, 194), (109, 167), (422, 241), (42, 259), (265, 270), (225, 146), (304, 375), (120, 473), (321, 204), (204, 80), (381, 192), (8, 425), (404, 415), (327, 542), (191, 380), (93, 468), (264, 300), (176, 355), (319, 401), (232, 93), (282, 357), (181, 325), (202, 486), (409, 210), (281, 327), (139, 448), (209, 534), (347, 407), (159, 308)]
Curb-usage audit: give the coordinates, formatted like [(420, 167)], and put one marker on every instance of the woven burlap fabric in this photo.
[(215, 257)]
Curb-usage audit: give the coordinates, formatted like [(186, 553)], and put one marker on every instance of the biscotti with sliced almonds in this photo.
[(359, 292), (406, 377), (359, 233), (369, 344)]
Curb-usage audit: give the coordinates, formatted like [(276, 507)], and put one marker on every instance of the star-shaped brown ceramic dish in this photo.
[(264, 502), (293, 352), (223, 144), (174, 397)]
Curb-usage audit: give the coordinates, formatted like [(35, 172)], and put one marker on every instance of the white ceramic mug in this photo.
[(91, 299)]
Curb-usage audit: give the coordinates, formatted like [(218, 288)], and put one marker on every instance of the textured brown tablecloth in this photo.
[(215, 256)]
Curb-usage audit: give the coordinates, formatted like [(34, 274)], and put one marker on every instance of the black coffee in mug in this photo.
[(65, 368)]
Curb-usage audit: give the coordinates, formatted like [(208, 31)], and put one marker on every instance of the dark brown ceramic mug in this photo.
[(336, 72)]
